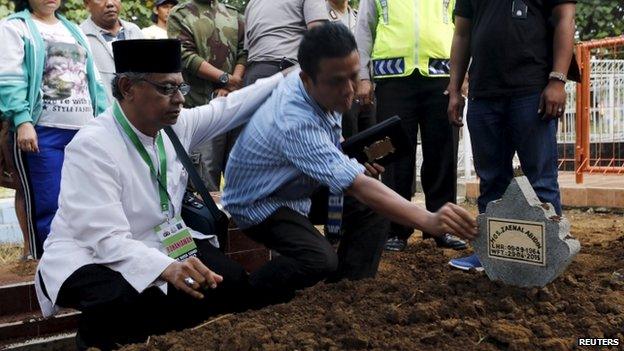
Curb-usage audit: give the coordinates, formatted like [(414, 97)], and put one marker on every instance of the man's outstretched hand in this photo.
[(452, 219)]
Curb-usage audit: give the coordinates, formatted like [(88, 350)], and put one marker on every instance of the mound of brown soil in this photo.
[(418, 303)]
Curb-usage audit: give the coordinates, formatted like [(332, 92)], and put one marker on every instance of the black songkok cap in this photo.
[(147, 56)]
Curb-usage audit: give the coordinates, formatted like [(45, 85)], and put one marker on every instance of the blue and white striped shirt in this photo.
[(287, 150)]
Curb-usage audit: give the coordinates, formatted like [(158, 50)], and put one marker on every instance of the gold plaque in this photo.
[(514, 240), (379, 149)]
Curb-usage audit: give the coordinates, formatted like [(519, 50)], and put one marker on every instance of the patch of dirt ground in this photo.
[(417, 302), (17, 271)]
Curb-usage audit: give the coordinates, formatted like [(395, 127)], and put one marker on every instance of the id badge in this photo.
[(176, 238), (519, 9)]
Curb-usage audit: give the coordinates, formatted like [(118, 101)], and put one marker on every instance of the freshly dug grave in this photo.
[(418, 303)]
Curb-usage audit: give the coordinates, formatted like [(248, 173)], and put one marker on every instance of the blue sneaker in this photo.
[(467, 263)]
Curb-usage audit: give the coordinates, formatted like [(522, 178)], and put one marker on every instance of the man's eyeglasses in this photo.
[(169, 89)]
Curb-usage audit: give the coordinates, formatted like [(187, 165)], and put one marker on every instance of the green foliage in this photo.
[(6, 8), (596, 19), (137, 12), (75, 11)]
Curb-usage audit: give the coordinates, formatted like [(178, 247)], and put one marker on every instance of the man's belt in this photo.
[(281, 64)]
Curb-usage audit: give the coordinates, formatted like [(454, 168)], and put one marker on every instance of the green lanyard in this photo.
[(161, 176)]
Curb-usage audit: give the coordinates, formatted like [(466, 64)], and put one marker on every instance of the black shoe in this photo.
[(451, 242), (395, 244)]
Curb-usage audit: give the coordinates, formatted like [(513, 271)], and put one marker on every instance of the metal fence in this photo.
[(606, 117), (599, 117)]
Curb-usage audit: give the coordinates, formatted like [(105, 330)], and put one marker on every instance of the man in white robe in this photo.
[(104, 256)]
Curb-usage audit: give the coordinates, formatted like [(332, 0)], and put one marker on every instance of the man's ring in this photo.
[(189, 281)]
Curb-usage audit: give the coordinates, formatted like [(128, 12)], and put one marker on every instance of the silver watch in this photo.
[(224, 78), (557, 76)]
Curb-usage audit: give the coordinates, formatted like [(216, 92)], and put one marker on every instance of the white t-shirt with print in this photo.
[(65, 88), (154, 32)]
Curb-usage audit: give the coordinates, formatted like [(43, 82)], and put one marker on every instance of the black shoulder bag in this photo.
[(202, 216)]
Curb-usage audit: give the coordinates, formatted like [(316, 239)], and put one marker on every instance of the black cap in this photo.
[(147, 56), (162, 2)]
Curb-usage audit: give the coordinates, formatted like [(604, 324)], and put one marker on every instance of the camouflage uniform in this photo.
[(212, 32), (209, 31)]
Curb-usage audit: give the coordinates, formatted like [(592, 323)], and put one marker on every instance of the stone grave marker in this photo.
[(522, 241)]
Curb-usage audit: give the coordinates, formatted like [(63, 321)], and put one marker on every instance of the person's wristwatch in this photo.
[(557, 76), (224, 78)]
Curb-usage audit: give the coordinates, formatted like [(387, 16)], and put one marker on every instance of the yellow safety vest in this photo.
[(413, 34)]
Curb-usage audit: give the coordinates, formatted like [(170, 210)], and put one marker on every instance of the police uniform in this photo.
[(407, 43), (358, 118)]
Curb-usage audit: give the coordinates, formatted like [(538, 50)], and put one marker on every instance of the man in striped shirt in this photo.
[(290, 148)]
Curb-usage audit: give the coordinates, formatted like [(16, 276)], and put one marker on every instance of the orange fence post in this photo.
[(598, 100), (579, 152)]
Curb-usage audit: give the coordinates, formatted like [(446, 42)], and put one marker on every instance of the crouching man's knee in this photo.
[(319, 265)]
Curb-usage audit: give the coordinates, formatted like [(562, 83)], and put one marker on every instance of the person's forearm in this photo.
[(239, 71), (563, 39), (209, 72), (221, 115), (388, 203), (460, 56)]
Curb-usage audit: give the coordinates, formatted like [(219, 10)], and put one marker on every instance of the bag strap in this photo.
[(195, 178)]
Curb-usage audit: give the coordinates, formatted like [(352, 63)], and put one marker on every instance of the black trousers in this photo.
[(114, 313), (421, 104), (306, 257), (257, 70)]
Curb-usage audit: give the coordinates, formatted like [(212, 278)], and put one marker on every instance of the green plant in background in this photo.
[(596, 19), (75, 11), (6, 8)]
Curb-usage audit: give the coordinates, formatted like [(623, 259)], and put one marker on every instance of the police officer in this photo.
[(408, 45), (274, 29), (359, 117)]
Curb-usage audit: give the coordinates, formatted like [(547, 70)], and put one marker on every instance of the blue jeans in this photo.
[(499, 127)]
